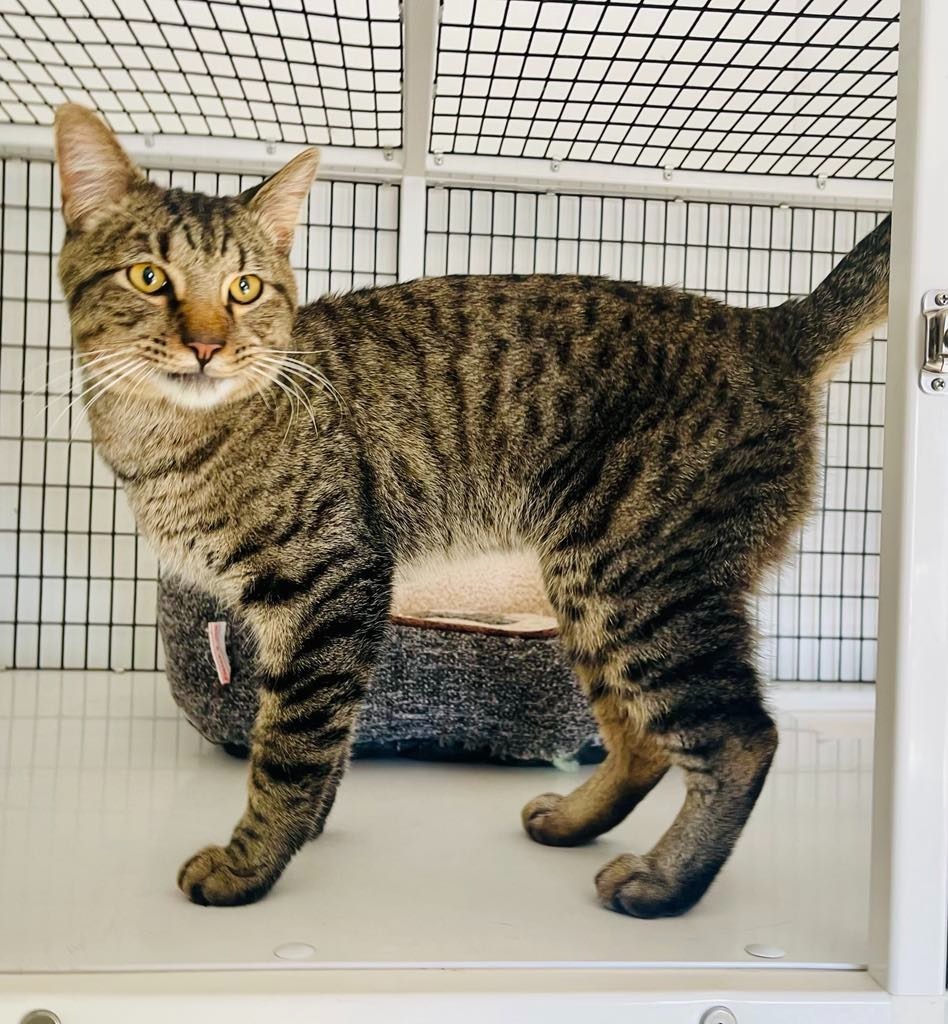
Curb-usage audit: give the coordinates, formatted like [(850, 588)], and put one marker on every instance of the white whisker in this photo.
[(113, 383), (285, 373), (114, 373), (143, 374), (57, 355), (300, 392), (305, 372), (292, 400), (84, 390), (265, 379), (291, 351), (316, 376), (62, 378)]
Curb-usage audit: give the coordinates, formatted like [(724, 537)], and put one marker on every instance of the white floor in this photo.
[(104, 789)]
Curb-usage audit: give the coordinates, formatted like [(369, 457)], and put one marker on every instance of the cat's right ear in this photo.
[(94, 171)]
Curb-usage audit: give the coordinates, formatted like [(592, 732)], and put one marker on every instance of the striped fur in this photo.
[(656, 448)]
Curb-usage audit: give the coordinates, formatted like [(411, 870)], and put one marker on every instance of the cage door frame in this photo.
[(909, 890)]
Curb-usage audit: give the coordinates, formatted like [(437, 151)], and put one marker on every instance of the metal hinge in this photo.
[(934, 375)]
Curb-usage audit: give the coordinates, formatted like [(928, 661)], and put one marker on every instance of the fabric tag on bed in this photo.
[(217, 633)]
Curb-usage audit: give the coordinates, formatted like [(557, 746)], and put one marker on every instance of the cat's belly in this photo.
[(472, 580)]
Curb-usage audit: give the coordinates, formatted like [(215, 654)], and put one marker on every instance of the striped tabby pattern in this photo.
[(656, 448)]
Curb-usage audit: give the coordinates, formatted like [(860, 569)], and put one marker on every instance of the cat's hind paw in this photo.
[(636, 886), (221, 877)]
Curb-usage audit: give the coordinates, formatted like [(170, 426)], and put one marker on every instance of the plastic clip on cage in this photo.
[(736, 148)]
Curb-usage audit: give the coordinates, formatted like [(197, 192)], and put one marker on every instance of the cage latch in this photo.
[(934, 375)]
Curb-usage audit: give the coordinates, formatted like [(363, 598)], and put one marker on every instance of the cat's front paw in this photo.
[(221, 877), (544, 824)]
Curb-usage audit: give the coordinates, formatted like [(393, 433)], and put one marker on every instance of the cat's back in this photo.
[(546, 336), (574, 318)]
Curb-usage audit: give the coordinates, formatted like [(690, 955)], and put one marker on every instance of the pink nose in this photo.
[(204, 350)]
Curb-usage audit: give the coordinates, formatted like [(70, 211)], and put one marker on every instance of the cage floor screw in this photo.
[(718, 1015), (941, 299), (764, 951), (938, 384)]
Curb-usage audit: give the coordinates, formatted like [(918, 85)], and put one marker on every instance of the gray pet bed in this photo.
[(485, 681)]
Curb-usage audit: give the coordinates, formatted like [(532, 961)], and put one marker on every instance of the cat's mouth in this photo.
[(193, 379), (196, 389)]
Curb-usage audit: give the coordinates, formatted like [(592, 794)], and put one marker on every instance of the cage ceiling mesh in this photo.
[(798, 87), (311, 71), (795, 87)]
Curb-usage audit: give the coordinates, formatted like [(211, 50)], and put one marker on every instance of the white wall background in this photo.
[(78, 588)]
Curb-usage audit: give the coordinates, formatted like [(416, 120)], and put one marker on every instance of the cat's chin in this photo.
[(196, 391)]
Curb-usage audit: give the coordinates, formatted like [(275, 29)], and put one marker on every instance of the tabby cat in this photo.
[(655, 448)]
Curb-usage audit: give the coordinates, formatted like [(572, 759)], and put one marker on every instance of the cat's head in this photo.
[(174, 294)]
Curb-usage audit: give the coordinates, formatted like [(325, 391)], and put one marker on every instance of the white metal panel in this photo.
[(421, 33), (575, 176), (465, 997), (232, 156), (411, 250), (239, 156), (910, 850)]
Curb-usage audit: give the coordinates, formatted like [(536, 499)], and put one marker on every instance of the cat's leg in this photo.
[(634, 764), (725, 752), (329, 797), (678, 672), (316, 651)]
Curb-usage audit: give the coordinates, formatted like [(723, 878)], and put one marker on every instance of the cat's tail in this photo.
[(840, 313)]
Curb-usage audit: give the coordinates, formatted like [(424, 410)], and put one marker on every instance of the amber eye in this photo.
[(246, 288), (147, 278)]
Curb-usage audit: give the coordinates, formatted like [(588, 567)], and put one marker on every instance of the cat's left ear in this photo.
[(278, 200)]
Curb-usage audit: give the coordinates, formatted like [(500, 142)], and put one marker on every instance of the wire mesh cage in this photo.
[(737, 148), (778, 87), (323, 72), (81, 590), (819, 616), (799, 87), (753, 86)]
